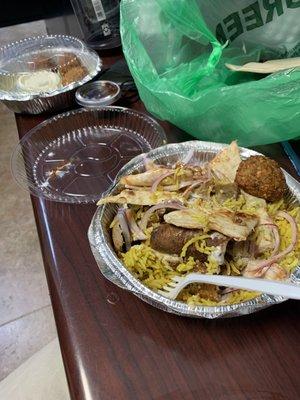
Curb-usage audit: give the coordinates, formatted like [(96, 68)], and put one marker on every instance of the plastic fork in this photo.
[(277, 288), (267, 67)]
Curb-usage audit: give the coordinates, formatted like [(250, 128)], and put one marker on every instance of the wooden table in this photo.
[(116, 347)]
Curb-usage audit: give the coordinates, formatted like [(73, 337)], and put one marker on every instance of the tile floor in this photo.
[(28, 382), (26, 318)]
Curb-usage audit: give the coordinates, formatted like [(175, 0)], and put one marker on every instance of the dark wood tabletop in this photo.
[(115, 346)]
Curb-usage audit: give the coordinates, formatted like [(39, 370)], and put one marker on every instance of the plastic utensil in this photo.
[(290, 152), (268, 67), (276, 288)]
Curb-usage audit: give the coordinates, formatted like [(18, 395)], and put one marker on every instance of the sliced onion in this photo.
[(275, 232), (261, 266), (121, 216), (134, 228), (191, 187), (174, 188), (275, 272), (160, 178), (276, 240), (133, 187), (229, 290), (171, 204)]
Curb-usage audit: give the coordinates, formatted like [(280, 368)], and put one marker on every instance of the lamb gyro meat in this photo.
[(170, 239)]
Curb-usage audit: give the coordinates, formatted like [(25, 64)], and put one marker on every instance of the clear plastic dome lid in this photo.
[(44, 66), (74, 157)]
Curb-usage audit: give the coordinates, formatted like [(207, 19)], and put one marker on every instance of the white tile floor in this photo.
[(41, 377), (24, 336), (26, 317)]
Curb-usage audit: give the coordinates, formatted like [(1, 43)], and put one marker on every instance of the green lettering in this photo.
[(293, 3), (235, 25), (254, 16), (220, 34), (270, 6)]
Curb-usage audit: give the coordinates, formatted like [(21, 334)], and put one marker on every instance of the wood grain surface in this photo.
[(116, 347)]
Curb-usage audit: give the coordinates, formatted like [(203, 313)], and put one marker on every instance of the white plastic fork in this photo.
[(277, 288)]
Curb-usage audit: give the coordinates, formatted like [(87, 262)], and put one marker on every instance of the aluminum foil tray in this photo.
[(56, 54), (114, 270)]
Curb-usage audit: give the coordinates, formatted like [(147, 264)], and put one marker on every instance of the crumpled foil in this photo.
[(114, 270)]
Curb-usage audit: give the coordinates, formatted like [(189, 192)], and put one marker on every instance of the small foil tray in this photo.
[(114, 270), (74, 157), (64, 57)]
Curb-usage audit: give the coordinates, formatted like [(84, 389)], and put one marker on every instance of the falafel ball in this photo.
[(261, 177)]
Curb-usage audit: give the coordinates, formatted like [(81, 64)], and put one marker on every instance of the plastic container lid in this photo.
[(45, 66), (74, 157), (98, 94)]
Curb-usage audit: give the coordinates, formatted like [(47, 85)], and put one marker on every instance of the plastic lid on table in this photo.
[(98, 94), (74, 157)]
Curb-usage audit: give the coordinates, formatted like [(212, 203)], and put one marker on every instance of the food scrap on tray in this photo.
[(226, 216)]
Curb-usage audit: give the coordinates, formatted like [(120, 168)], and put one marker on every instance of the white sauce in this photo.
[(39, 81)]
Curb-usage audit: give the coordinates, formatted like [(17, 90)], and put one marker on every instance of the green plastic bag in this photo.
[(178, 65)]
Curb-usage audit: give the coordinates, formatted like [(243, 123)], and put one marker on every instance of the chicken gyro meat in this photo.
[(261, 177), (225, 164), (140, 197), (143, 179), (237, 225), (219, 242)]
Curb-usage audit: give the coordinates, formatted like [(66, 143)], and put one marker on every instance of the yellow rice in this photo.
[(155, 272)]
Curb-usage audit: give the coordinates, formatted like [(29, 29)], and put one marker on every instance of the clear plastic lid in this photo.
[(74, 157), (98, 94), (44, 66)]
